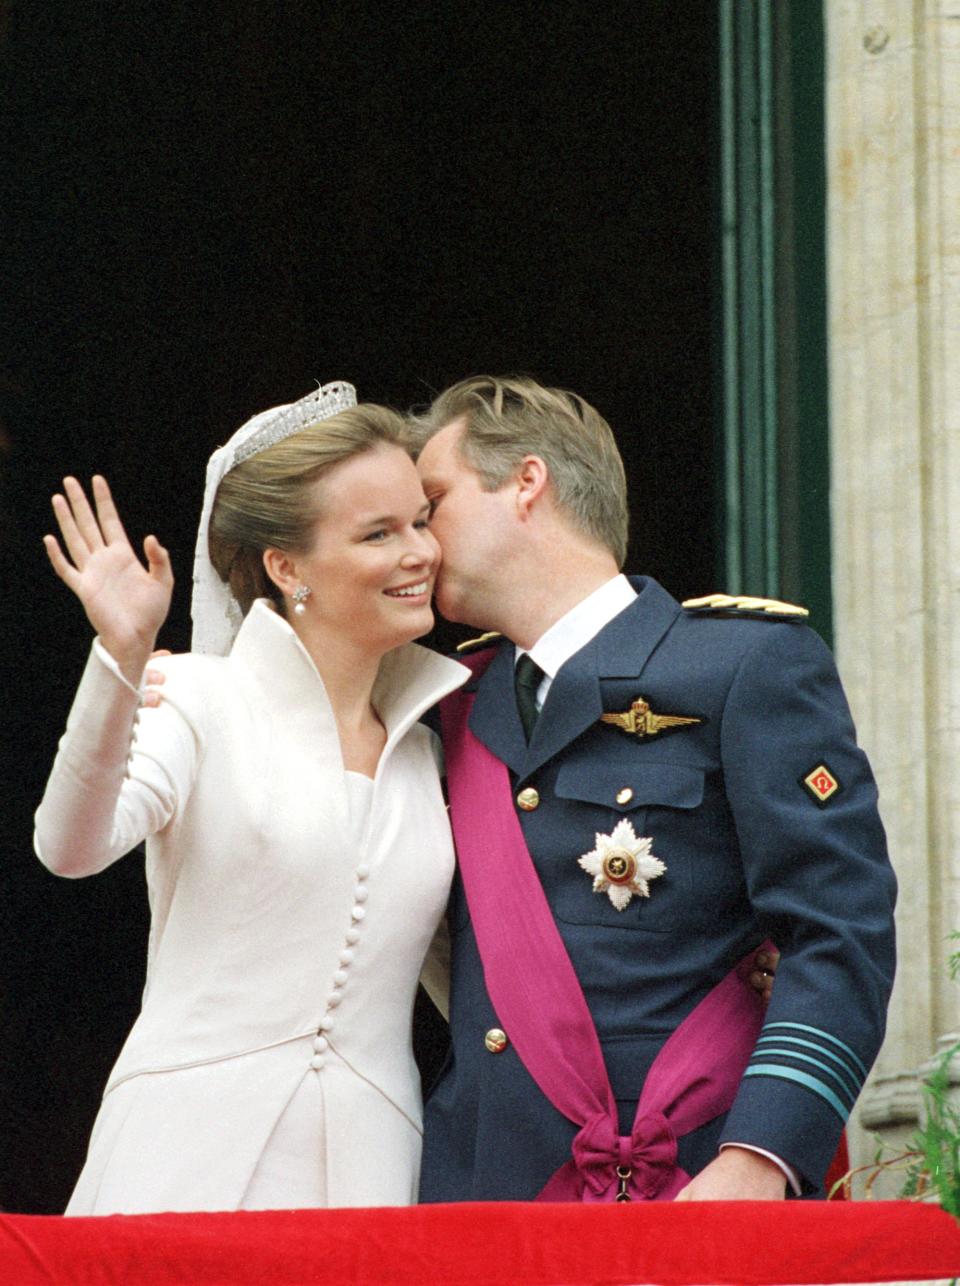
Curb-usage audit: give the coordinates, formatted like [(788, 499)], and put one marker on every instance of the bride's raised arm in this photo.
[(105, 795)]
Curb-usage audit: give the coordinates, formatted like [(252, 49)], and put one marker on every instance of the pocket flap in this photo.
[(669, 785)]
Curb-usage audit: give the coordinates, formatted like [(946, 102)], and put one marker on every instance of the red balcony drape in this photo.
[(497, 1244)]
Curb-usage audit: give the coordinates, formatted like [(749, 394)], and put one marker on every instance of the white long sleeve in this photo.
[(119, 774)]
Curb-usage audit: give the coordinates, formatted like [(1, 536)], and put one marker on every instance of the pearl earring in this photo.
[(300, 596)]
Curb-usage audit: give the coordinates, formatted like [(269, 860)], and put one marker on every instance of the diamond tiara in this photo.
[(319, 405)]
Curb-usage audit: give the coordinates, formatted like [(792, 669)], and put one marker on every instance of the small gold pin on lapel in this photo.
[(470, 644), (640, 721)]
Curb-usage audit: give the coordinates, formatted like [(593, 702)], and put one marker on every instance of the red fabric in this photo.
[(502, 1244), (838, 1168)]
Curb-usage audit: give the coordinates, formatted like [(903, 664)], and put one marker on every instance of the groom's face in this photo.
[(474, 528)]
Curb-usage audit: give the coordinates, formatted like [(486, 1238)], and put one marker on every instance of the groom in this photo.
[(681, 783)]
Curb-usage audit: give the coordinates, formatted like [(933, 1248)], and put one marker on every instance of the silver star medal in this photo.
[(622, 865)]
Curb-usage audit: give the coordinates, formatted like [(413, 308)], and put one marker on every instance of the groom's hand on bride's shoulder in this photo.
[(154, 679)]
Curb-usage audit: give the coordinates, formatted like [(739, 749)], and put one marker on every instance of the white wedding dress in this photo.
[(293, 905)]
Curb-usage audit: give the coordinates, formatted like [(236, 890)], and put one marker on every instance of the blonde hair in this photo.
[(268, 500), (509, 418)]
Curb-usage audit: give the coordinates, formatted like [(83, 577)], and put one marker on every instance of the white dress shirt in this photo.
[(576, 628)]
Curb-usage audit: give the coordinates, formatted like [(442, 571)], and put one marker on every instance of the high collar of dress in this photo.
[(411, 678)]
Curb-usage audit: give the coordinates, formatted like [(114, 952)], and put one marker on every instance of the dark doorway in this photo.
[(208, 208)]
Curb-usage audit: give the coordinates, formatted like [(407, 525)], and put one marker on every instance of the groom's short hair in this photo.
[(512, 417)]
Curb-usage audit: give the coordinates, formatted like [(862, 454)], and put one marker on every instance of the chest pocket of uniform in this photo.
[(658, 800), (626, 789)]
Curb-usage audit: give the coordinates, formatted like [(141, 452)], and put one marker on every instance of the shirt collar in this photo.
[(577, 627)]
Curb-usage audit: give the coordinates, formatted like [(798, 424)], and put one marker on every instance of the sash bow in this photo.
[(649, 1153)]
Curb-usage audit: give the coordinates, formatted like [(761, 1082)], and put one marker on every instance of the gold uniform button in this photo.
[(624, 796), (528, 799), (496, 1040)]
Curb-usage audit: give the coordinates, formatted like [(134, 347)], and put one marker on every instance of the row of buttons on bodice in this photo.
[(321, 1041)]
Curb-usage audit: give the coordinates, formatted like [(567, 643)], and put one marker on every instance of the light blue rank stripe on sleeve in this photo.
[(838, 1073), (800, 1078), (784, 1046), (824, 1036), (797, 1057)]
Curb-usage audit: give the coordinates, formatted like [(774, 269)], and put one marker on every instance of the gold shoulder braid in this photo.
[(470, 645), (734, 603)]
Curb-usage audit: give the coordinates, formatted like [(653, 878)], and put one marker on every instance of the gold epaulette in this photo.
[(471, 644), (732, 603)]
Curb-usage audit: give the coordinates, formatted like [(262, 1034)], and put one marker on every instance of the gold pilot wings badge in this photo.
[(640, 721)]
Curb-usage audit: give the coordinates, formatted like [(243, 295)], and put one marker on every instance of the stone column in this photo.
[(893, 157)]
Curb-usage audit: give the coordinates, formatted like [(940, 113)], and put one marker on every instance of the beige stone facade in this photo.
[(893, 156)]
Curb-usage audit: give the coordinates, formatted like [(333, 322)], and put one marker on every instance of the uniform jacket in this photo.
[(256, 878), (750, 852)]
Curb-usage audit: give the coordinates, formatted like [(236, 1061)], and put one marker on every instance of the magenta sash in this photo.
[(540, 1003)]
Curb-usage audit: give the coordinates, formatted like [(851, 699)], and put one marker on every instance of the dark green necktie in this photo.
[(526, 679)]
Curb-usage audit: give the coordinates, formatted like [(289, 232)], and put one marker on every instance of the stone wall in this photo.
[(893, 158)]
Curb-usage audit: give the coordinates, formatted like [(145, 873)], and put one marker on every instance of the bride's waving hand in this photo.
[(125, 602)]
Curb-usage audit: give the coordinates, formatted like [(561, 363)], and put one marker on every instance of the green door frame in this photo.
[(774, 466)]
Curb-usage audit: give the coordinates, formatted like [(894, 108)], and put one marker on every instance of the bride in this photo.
[(298, 852)]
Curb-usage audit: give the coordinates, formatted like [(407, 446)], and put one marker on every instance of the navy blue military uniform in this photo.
[(752, 848)]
